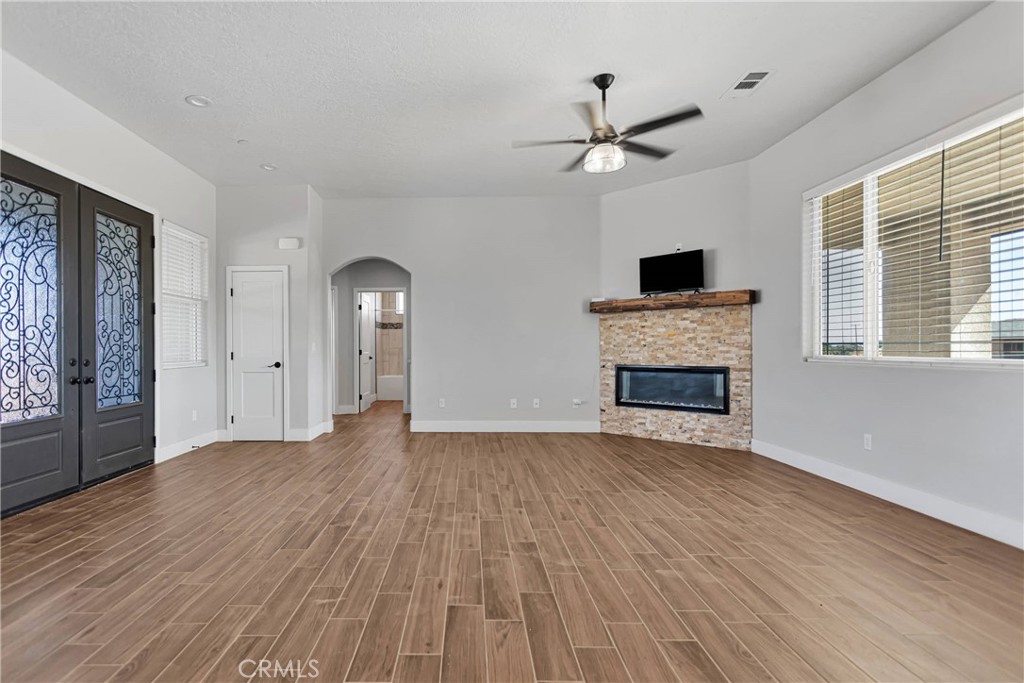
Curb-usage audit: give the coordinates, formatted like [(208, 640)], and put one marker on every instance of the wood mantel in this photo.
[(735, 297)]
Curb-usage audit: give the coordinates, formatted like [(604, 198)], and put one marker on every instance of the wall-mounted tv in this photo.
[(678, 272)]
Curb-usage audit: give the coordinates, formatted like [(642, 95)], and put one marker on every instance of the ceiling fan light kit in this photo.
[(608, 147), (604, 158)]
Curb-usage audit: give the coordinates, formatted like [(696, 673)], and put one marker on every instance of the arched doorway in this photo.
[(372, 338)]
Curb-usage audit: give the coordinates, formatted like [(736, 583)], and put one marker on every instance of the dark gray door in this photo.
[(76, 336), (39, 361), (116, 335)]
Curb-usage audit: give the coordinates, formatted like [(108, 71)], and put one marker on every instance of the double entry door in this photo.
[(76, 336)]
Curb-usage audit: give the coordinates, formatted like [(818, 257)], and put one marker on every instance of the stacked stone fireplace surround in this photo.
[(712, 336)]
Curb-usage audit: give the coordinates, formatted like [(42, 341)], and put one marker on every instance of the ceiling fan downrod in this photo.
[(603, 82)]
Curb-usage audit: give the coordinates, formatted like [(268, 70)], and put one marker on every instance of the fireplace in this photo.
[(700, 389)]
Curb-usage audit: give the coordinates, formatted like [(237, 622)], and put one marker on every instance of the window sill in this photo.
[(181, 366), (947, 364)]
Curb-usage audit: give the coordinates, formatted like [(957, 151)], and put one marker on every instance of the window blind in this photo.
[(842, 271), (925, 259), (185, 301)]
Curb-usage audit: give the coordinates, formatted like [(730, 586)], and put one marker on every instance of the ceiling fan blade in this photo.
[(646, 150), (590, 112), (675, 117), (576, 163), (518, 144)]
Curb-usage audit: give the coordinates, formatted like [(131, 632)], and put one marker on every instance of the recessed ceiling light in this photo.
[(268, 167), (199, 101)]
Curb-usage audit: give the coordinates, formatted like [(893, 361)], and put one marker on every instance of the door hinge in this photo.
[(360, 352), (232, 355), (154, 308), (232, 291), (360, 397), (154, 375), (232, 419), (154, 441), (360, 307), (152, 241)]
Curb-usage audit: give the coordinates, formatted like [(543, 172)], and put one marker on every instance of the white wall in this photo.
[(250, 220), (954, 436), (502, 286), (47, 125), (707, 210), (320, 412), (366, 274)]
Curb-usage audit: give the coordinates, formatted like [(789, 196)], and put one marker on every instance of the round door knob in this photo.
[(88, 380), (75, 380)]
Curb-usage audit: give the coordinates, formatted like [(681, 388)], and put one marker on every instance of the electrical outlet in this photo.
[(513, 403), (195, 415), (536, 403), (867, 442), (440, 403), (576, 403)]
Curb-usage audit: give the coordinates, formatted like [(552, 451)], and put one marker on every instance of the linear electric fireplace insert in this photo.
[(669, 387)]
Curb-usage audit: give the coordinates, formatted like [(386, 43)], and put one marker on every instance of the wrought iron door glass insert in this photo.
[(118, 313), (700, 389), (29, 304)]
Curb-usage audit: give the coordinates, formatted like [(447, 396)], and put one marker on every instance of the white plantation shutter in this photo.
[(185, 301), (925, 258)]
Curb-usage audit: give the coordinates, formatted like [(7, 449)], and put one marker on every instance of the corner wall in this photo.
[(250, 220), (706, 210)]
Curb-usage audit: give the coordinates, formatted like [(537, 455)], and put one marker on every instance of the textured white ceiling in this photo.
[(424, 99)]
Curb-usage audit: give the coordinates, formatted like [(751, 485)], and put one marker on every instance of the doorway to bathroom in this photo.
[(381, 341)]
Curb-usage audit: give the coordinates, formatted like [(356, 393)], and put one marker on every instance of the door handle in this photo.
[(88, 380), (75, 380), (276, 364)]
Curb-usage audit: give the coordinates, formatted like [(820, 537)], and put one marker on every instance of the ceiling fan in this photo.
[(606, 146)]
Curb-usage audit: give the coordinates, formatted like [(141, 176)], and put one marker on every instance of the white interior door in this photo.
[(367, 349), (257, 355)]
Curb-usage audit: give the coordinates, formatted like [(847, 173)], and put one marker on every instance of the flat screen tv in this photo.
[(678, 272)]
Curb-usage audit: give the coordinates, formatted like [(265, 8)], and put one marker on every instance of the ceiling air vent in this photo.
[(746, 85)]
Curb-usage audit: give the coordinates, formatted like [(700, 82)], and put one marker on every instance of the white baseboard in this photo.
[(345, 410), (309, 434), (993, 526), (504, 426), (223, 435), (164, 453)]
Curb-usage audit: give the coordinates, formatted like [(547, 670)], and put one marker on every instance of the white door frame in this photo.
[(229, 322), (356, 291), (332, 321)]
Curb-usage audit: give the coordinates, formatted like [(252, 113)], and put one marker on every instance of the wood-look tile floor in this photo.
[(390, 556)]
